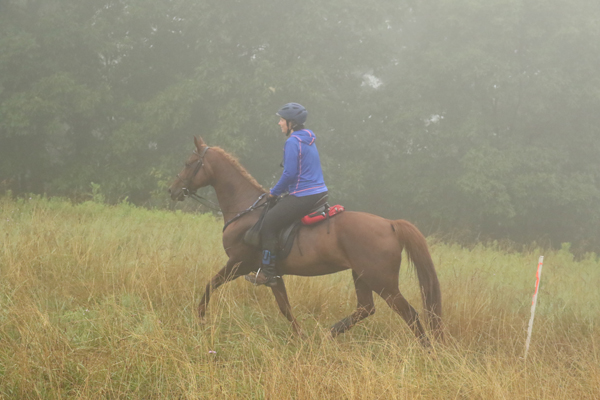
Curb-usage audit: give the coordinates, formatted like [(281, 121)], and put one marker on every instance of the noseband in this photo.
[(199, 164)]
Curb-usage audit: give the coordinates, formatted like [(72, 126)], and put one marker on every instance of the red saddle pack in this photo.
[(320, 215)]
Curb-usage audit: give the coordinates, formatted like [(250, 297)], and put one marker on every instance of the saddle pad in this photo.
[(320, 216)]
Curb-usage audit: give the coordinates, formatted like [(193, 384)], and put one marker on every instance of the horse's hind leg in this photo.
[(400, 305), (231, 271), (284, 305), (365, 307)]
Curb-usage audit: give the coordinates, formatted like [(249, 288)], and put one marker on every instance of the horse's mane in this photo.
[(236, 164)]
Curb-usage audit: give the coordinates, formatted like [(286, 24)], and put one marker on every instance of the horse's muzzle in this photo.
[(176, 195)]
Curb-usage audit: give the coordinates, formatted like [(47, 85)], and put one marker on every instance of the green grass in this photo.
[(100, 301)]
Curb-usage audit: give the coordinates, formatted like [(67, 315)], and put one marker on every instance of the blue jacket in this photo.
[(302, 174)]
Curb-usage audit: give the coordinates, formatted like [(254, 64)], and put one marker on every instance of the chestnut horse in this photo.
[(369, 245)]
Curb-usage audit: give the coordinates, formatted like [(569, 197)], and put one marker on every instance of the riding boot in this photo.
[(267, 274)]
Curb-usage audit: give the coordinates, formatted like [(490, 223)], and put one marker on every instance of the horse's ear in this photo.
[(198, 142)]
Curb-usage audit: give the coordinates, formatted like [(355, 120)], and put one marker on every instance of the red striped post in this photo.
[(533, 304)]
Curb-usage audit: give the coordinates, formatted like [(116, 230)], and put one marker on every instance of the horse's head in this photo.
[(194, 174)]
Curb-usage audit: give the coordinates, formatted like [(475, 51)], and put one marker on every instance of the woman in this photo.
[(302, 178)]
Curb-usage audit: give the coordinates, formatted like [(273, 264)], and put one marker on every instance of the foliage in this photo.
[(458, 115)]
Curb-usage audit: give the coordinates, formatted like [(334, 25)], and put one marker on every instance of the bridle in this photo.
[(199, 163), (186, 182), (189, 193)]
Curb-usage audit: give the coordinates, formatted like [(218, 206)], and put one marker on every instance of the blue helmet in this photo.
[(293, 112)]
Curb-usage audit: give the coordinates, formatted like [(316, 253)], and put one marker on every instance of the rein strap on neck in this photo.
[(247, 210)]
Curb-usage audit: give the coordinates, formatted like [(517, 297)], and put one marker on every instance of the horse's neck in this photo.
[(235, 192)]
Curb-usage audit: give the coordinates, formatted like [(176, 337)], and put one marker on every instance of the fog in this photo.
[(474, 120)]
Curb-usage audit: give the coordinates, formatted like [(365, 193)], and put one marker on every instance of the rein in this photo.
[(212, 205), (204, 201), (247, 210)]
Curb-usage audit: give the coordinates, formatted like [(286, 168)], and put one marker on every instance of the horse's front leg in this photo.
[(284, 305), (232, 270)]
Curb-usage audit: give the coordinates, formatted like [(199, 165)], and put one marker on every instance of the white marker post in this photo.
[(533, 304)]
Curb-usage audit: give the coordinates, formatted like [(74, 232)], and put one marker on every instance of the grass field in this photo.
[(100, 301)]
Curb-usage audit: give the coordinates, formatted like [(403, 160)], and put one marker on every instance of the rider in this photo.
[(302, 178)]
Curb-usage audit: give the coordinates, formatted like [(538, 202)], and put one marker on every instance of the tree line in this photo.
[(470, 116)]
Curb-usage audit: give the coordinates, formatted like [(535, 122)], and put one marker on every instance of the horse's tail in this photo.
[(418, 253)]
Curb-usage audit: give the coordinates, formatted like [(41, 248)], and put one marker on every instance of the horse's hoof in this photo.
[(201, 318)]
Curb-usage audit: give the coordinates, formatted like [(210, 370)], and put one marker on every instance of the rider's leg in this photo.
[(286, 211), (277, 218)]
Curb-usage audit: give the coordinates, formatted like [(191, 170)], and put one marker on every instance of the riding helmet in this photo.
[(293, 112)]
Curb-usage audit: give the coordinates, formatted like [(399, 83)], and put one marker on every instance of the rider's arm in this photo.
[(291, 154)]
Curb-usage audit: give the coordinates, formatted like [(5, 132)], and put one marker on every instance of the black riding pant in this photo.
[(287, 210)]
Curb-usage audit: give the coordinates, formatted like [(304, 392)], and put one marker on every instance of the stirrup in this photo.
[(259, 278)]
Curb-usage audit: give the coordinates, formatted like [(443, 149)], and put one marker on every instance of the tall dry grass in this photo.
[(100, 302)]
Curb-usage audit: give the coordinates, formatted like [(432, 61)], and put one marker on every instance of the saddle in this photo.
[(320, 212)]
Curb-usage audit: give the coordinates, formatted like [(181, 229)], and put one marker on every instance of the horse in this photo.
[(369, 245)]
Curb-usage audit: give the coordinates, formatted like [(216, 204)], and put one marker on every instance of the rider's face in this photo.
[(283, 125)]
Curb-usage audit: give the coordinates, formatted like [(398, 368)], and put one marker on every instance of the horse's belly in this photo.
[(299, 269)]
